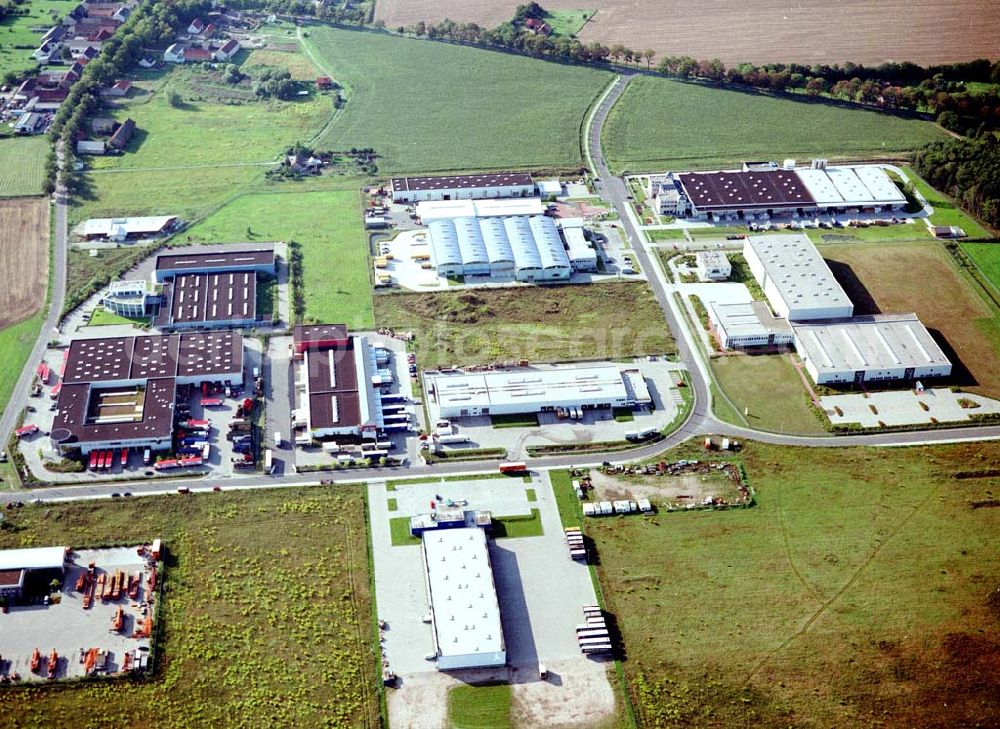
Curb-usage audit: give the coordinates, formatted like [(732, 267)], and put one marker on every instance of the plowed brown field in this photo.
[(24, 257), (760, 31)]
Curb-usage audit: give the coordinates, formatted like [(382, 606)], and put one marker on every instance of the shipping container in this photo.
[(513, 467), (268, 461)]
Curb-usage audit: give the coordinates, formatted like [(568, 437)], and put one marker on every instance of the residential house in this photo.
[(74, 16), (197, 55), (123, 135), (174, 53), (86, 55), (117, 90), (196, 27), (226, 51), (147, 62)]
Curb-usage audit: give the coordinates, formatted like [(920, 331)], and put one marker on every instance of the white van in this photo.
[(277, 439)]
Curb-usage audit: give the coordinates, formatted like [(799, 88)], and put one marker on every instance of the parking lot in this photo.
[(69, 629), (596, 425), (541, 592)]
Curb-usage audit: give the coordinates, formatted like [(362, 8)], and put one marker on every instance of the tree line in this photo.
[(968, 170)]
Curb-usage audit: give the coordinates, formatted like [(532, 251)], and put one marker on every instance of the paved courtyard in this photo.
[(903, 407), (541, 593), (68, 628)]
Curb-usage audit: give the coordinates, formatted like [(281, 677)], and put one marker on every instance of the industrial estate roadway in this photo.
[(699, 422)]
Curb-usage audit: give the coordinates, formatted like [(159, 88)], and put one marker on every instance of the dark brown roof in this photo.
[(156, 422), (718, 191), (98, 360), (123, 134), (10, 578), (201, 262), (334, 399), (492, 179), (208, 353), (335, 409), (213, 297)]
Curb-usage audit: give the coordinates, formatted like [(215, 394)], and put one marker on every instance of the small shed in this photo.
[(89, 146)]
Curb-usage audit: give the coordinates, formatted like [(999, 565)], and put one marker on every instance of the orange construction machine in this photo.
[(53, 663), (36, 660), (118, 619)]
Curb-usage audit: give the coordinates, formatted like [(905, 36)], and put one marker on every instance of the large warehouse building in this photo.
[(750, 324), (795, 278), (869, 349), (462, 187), (534, 390), (527, 248), (465, 611), (123, 229), (120, 392), (27, 571), (766, 188), (427, 212), (333, 382)]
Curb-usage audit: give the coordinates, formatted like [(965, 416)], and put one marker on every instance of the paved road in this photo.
[(19, 396)]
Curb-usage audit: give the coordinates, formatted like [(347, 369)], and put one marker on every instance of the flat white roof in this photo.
[(798, 271), (713, 259), (549, 187), (438, 209), (879, 184), (463, 595), (529, 386), (884, 341), (104, 226), (39, 558), (576, 244), (746, 319), (864, 185)]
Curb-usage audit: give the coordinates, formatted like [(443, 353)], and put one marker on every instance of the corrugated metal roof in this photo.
[(39, 558)]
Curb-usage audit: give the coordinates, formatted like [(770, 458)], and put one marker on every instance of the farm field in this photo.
[(16, 342), (426, 106), (267, 612), (860, 591), (545, 324), (22, 165), (809, 32), (895, 277), (16, 30), (301, 68), (24, 240), (663, 124), (327, 224), (771, 389)]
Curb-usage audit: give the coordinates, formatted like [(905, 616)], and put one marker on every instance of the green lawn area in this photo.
[(426, 106), (570, 511), (16, 342), (987, 257), (191, 159), (103, 317), (16, 30), (554, 323), (665, 234), (86, 274), (567, 22), (327, 224), (915, 231), (663, 124), (22, 165), (945, 210), (531, 495), (859, 592), (258, 586), (770, 387), (298, 64), (399, 529), (472, 706), (518, 526), (623, 415), (514, 420)]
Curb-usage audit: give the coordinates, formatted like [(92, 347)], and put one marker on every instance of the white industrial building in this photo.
[(530, 390), (38, 565), (133, 299), (869, 348), (748, 324), (428, 212), (712, 266), (529, 248), (582, 255), (459, 187), (465, 611), (795, 278), (765, 188)]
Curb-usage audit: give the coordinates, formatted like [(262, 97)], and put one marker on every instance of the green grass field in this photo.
[(426, 106), (568, 22), (17, 31), (327, 224), (770, 387), (22, 165), (555, 323), (102, 317), (856, 594), (987, 257), (266, 606), (16, 342), (663, 124), (479, 707)]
